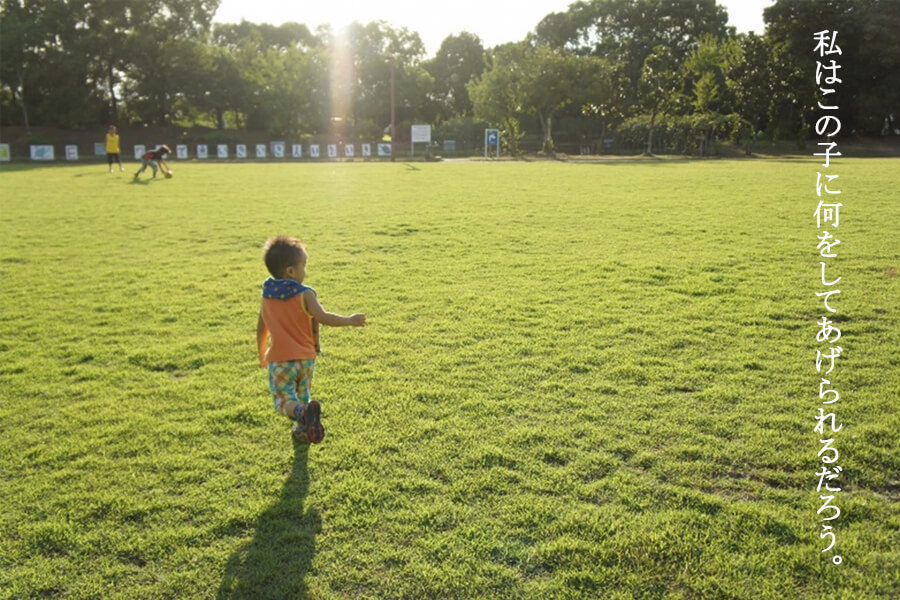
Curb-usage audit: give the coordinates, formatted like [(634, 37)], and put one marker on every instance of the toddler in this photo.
[(290, 315)]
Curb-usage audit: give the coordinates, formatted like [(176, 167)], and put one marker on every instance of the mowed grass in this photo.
[(578, 381)]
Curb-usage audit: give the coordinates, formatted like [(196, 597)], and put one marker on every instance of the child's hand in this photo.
[(358, 319)]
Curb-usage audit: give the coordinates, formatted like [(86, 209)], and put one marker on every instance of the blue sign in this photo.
[(492, 138)]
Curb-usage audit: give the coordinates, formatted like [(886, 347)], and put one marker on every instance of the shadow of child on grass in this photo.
[(275, 562)]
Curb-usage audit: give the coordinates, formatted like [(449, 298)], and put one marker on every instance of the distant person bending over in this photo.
[(290, 314), (155, 160), (112, 148)]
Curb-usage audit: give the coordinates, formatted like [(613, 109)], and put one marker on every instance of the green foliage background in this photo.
[(579, 74), (578, 380)]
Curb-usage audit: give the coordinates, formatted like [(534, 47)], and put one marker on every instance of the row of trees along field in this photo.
[(652, 74)]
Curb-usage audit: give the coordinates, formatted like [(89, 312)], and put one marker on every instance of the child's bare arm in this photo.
[(262, 337), (326, 318)]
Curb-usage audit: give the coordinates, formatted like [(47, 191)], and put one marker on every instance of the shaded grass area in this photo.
[(579, 380)]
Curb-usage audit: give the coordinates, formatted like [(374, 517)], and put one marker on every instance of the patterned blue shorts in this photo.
[(291, 382)]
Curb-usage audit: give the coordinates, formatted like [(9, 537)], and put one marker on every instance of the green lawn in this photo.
[(578, 381)]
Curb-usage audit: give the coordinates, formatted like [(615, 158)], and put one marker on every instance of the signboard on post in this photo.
[(367, 150), (314, 150), (491, 139), (5, 155), (297, 150), (419, 134), (181, 152), (260, 151), (384, 149), (99, 149), (139, 150), (240, 150), (222, 151), (202, 151), (71, 152), (278, 149)]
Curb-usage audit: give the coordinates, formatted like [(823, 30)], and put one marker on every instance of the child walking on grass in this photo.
[(290, 315)]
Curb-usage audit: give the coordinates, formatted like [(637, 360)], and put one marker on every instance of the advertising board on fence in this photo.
[(278, 150), (41, 152)]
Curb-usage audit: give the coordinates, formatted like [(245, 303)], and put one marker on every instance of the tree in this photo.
[(26, 38), (459, 60), (602, 87), (550, 82), (160, 43), (750, 82), (870, 59), (627, 31), (270, 78), (659, 85), (107, 28), (362, 58), (498, 96)]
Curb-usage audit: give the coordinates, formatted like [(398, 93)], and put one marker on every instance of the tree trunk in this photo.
[(110, 79), (22, 99), (513, 141), (602, 136), (547, 127), (650, 134), (161, 110)]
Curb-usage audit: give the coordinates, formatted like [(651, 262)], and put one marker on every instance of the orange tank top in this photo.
[(293, 332)]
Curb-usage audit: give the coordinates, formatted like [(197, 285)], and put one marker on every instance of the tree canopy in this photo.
[(643, 70)]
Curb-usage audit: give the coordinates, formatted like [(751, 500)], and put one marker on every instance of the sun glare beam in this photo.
[(342, 79)]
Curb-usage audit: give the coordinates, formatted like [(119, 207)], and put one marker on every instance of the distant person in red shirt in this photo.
[(290, 314), (155, 159)]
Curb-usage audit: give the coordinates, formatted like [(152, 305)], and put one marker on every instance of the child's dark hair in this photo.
[(281, 252)]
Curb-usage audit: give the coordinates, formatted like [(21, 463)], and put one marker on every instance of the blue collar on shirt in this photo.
[(282, 289)]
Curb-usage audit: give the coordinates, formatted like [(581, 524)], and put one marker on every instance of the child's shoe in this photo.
[(313, 423)]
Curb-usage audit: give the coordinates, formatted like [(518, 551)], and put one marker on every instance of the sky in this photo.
[(494, 21)]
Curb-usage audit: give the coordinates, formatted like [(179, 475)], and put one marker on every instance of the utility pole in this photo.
[(393, 112)]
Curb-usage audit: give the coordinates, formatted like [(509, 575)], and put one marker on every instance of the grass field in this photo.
[(578, 381)]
